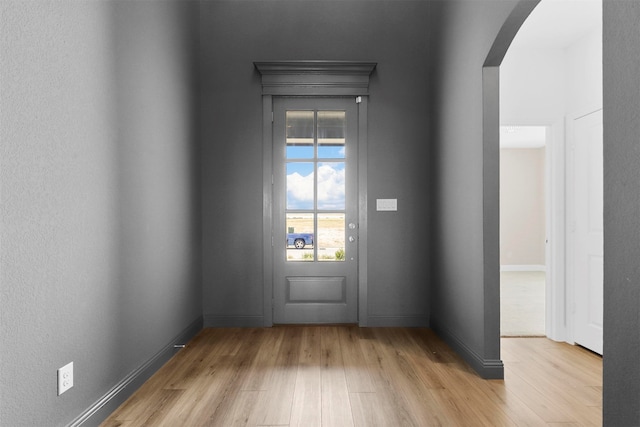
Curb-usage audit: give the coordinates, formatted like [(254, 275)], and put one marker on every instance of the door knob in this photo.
[(352, 239)]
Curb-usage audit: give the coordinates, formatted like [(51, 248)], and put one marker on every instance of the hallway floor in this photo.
[(522, 303), (321, 376)]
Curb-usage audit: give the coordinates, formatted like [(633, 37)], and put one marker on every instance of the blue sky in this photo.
[(324, 151)]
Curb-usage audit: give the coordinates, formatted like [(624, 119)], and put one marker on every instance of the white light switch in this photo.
[(386, 204)]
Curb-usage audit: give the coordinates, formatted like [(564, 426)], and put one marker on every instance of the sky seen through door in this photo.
[(331, 185)]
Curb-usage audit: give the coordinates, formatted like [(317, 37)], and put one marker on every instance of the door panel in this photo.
[(315, 210), (588, 236), (316, 289)]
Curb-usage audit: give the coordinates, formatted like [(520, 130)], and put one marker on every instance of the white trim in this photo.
[(570, 232), (526, 267), (555, 318), (555, 194)]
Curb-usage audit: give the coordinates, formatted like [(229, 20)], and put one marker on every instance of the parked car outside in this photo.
[(299, 240)]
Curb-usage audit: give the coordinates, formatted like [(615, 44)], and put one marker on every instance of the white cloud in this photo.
[(331, 188), (299, 191), (331, 185)]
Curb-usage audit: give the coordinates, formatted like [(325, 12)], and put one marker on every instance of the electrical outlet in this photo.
[(65, 378)]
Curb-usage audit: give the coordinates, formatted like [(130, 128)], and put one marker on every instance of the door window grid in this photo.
[(315, 185)]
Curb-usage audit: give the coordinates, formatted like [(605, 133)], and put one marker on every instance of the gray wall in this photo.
[(465, 304), (100, 240), (396, 35), (621, 111), (100, 208)]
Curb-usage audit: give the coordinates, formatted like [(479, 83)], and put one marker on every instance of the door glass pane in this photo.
[(331, 237), (300, 126), (331, 185), (300, 185), (300, 236), (315, 182), (331, 134)]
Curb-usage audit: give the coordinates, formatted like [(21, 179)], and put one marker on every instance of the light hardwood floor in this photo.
[(349, 376)]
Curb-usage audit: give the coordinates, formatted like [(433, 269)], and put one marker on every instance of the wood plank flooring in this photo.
[(348, 376)]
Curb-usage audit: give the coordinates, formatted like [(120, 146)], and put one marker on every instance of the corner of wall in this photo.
[(487, 368)]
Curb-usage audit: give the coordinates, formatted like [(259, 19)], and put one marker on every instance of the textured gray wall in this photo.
[(99, 204), (621, 56), (397, 35), (465, 303), (99, 232)]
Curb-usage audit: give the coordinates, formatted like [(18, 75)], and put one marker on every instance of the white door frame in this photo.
[(555, 261), (560, 288), (313, 78)]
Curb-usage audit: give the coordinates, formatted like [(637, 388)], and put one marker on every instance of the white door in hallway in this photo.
[(588, 271)]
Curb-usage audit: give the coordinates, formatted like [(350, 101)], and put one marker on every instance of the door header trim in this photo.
[(315, 78)]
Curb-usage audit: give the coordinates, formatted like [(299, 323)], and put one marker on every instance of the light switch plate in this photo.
[(386, 204)]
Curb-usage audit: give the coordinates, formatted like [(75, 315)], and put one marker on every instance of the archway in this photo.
[(491, 162)]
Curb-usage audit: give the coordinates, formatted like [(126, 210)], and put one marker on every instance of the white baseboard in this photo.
[(526, 267)]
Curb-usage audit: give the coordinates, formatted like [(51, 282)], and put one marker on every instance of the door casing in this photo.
[(308, 79)]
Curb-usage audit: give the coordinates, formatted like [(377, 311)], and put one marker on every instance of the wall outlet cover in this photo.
[(65, 378)]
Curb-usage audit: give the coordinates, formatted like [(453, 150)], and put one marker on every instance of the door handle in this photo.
[(352, 239)]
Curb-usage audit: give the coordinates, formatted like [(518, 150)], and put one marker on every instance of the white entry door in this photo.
[(588, 242), (315, 204)]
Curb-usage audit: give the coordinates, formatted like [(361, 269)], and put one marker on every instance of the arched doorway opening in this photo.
[(561, 45)]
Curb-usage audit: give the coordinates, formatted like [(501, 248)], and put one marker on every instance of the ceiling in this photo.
[(556, 24), (553, 24)]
